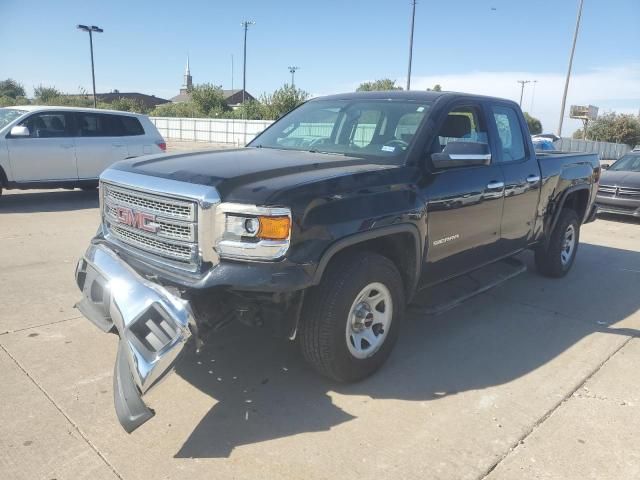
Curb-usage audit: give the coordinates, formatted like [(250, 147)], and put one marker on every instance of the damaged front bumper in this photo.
[(153, 325)]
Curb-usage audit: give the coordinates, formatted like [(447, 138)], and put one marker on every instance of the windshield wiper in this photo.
[(327, 153)]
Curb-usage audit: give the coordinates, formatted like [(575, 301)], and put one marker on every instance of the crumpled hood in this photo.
[(256, 172)]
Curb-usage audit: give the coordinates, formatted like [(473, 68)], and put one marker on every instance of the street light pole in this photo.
[(292, 70), (413, 21), (566, 83), (92, 29), (523, 83), (245, 24)]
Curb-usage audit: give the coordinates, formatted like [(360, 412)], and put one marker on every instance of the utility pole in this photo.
[(533, 96), (245, 24), (523, 83), (566, 83), (92, 29), (292, 70), (413, 21)]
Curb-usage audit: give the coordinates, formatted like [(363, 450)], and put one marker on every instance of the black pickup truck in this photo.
[(325, 227)]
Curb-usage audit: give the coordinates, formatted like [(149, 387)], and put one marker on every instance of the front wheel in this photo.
[(557, 258), (350, 322)]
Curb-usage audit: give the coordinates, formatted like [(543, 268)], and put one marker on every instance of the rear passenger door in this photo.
[(521, 173), (99, 143)]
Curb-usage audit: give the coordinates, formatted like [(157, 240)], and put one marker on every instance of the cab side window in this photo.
[(509, 133), (47, 125), (462, 124)]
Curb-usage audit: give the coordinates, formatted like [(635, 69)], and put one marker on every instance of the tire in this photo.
[(338, 314), (557, 258)]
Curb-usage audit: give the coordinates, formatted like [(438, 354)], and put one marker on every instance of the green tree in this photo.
[(47, 95), (378, 85), (436, 88), (535, 125), (282, 101), (209, 100), (128, 105), (186, 109), (11, 89), (614, 127), (252, 110)]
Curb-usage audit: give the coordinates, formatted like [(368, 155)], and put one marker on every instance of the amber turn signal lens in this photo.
[(274, 228)]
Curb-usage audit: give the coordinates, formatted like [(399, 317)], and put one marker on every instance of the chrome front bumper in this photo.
[(152, 323)]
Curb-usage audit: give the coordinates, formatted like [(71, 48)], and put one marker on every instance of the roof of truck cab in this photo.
[(44, 108), (414, 95)]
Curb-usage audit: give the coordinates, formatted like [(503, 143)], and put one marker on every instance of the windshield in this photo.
[(8, 115), (359, 128), (628, 163)]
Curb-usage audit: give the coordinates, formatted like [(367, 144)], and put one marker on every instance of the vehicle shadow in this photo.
[(48, 201), (612, 217), (265, 391)]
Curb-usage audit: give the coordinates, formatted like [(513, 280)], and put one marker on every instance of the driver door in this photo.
[(48, 153), (464, 202)]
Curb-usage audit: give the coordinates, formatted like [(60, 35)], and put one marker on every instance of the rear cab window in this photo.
[(510, 139)]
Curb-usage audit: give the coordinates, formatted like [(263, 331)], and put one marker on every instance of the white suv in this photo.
[(46, 147)]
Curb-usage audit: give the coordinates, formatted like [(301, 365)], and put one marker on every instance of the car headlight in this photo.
[(251, 232)]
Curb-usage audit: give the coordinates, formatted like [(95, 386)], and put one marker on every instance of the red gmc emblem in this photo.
[(140, 220)]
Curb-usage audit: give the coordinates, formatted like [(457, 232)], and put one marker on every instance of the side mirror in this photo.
[(19, 131), (462, 154), (605, 166)]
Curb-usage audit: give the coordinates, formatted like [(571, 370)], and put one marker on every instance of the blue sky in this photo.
[(462, 44)]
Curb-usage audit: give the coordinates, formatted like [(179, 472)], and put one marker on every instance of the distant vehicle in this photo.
[(543, 144), (324, 227), (550, 136), (51, 147), (619, 190)]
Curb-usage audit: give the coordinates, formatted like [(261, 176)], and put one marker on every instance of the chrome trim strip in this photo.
[(206, 196), (464, 156)]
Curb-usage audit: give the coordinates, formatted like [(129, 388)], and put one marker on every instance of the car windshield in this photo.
[(8, 115), (628, 163), (361, 128)]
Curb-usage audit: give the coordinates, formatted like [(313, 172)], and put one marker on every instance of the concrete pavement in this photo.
[(533, 379)]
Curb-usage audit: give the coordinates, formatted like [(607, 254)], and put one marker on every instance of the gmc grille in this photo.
[(174, 235)]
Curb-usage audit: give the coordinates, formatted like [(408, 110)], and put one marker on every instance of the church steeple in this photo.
[(188, 80)]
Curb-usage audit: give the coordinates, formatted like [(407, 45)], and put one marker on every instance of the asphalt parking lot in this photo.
[(533, 379)]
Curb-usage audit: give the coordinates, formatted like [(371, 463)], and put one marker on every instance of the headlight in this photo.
[(251, 232)]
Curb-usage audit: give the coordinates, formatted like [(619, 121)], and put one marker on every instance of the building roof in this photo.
[(143, 97), (227, 94)]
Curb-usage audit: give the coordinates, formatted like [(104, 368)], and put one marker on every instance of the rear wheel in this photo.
[(350, 322), (557, 258)]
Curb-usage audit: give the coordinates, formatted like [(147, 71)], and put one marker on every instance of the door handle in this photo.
[(118, 144), (67, 145), (495, 185), (533, 178)]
